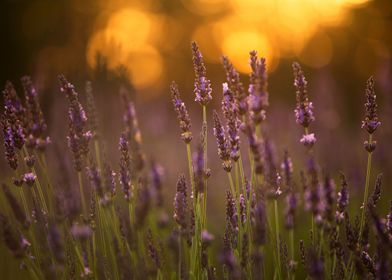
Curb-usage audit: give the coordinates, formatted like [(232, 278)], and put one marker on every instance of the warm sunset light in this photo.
[(276, 29), (196, 140)]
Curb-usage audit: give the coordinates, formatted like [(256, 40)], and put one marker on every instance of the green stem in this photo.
[(190, 167), (179, 253), (277, 237), (97, 154), (334, 255), (291, 233), (204, 208), (232, 188), (365, 197), (82, 198)]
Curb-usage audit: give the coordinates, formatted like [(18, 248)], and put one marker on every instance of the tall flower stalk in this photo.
[(78, 136), (304, 117), (202, 90), (370, 125)]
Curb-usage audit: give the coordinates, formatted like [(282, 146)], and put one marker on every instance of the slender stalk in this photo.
[(204, 209), (366, 193), (313, 233), (97, 154), (277, 236), (334, 255), (190, 166), (23, 153), (232, 188), (291, 233), (82, 198), (179, 254), (44, 168)]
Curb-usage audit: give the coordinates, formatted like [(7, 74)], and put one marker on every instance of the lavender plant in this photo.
[(130, 236)]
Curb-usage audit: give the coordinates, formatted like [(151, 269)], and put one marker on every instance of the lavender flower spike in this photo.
[(9, 145), (13, 118), (258, 94), (125, 164), (304, 111), (182, 113), (35, 122), (202, 84), (235, 85), (223, 145), (342, 201), (371, 123), (230, 111), (78, 136), (180, 203)]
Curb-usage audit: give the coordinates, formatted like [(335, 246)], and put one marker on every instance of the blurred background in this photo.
[(145, 44)]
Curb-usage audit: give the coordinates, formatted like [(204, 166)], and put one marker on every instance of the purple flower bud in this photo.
[(371, 123), (9, 146), (223, 145), (125, 165), (389, 219), (202, 88), (308, 140), (304, 111), (36, 125), (29, 178), (235, 86), (342, 201), (181, 204), (78, 136), (230, 111), (242, 209), (231, 212), (14, 117), (182, 113), (132, 132), (258, 94)]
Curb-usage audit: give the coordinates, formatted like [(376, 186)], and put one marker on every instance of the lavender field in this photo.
[(251, 165)]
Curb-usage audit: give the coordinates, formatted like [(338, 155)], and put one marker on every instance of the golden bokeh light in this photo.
[(134, 36), (237, 46), (125, 41)]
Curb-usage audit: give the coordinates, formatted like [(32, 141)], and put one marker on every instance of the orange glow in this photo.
[(125, 41), (136, 38), (280, 29), (237, 46)]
